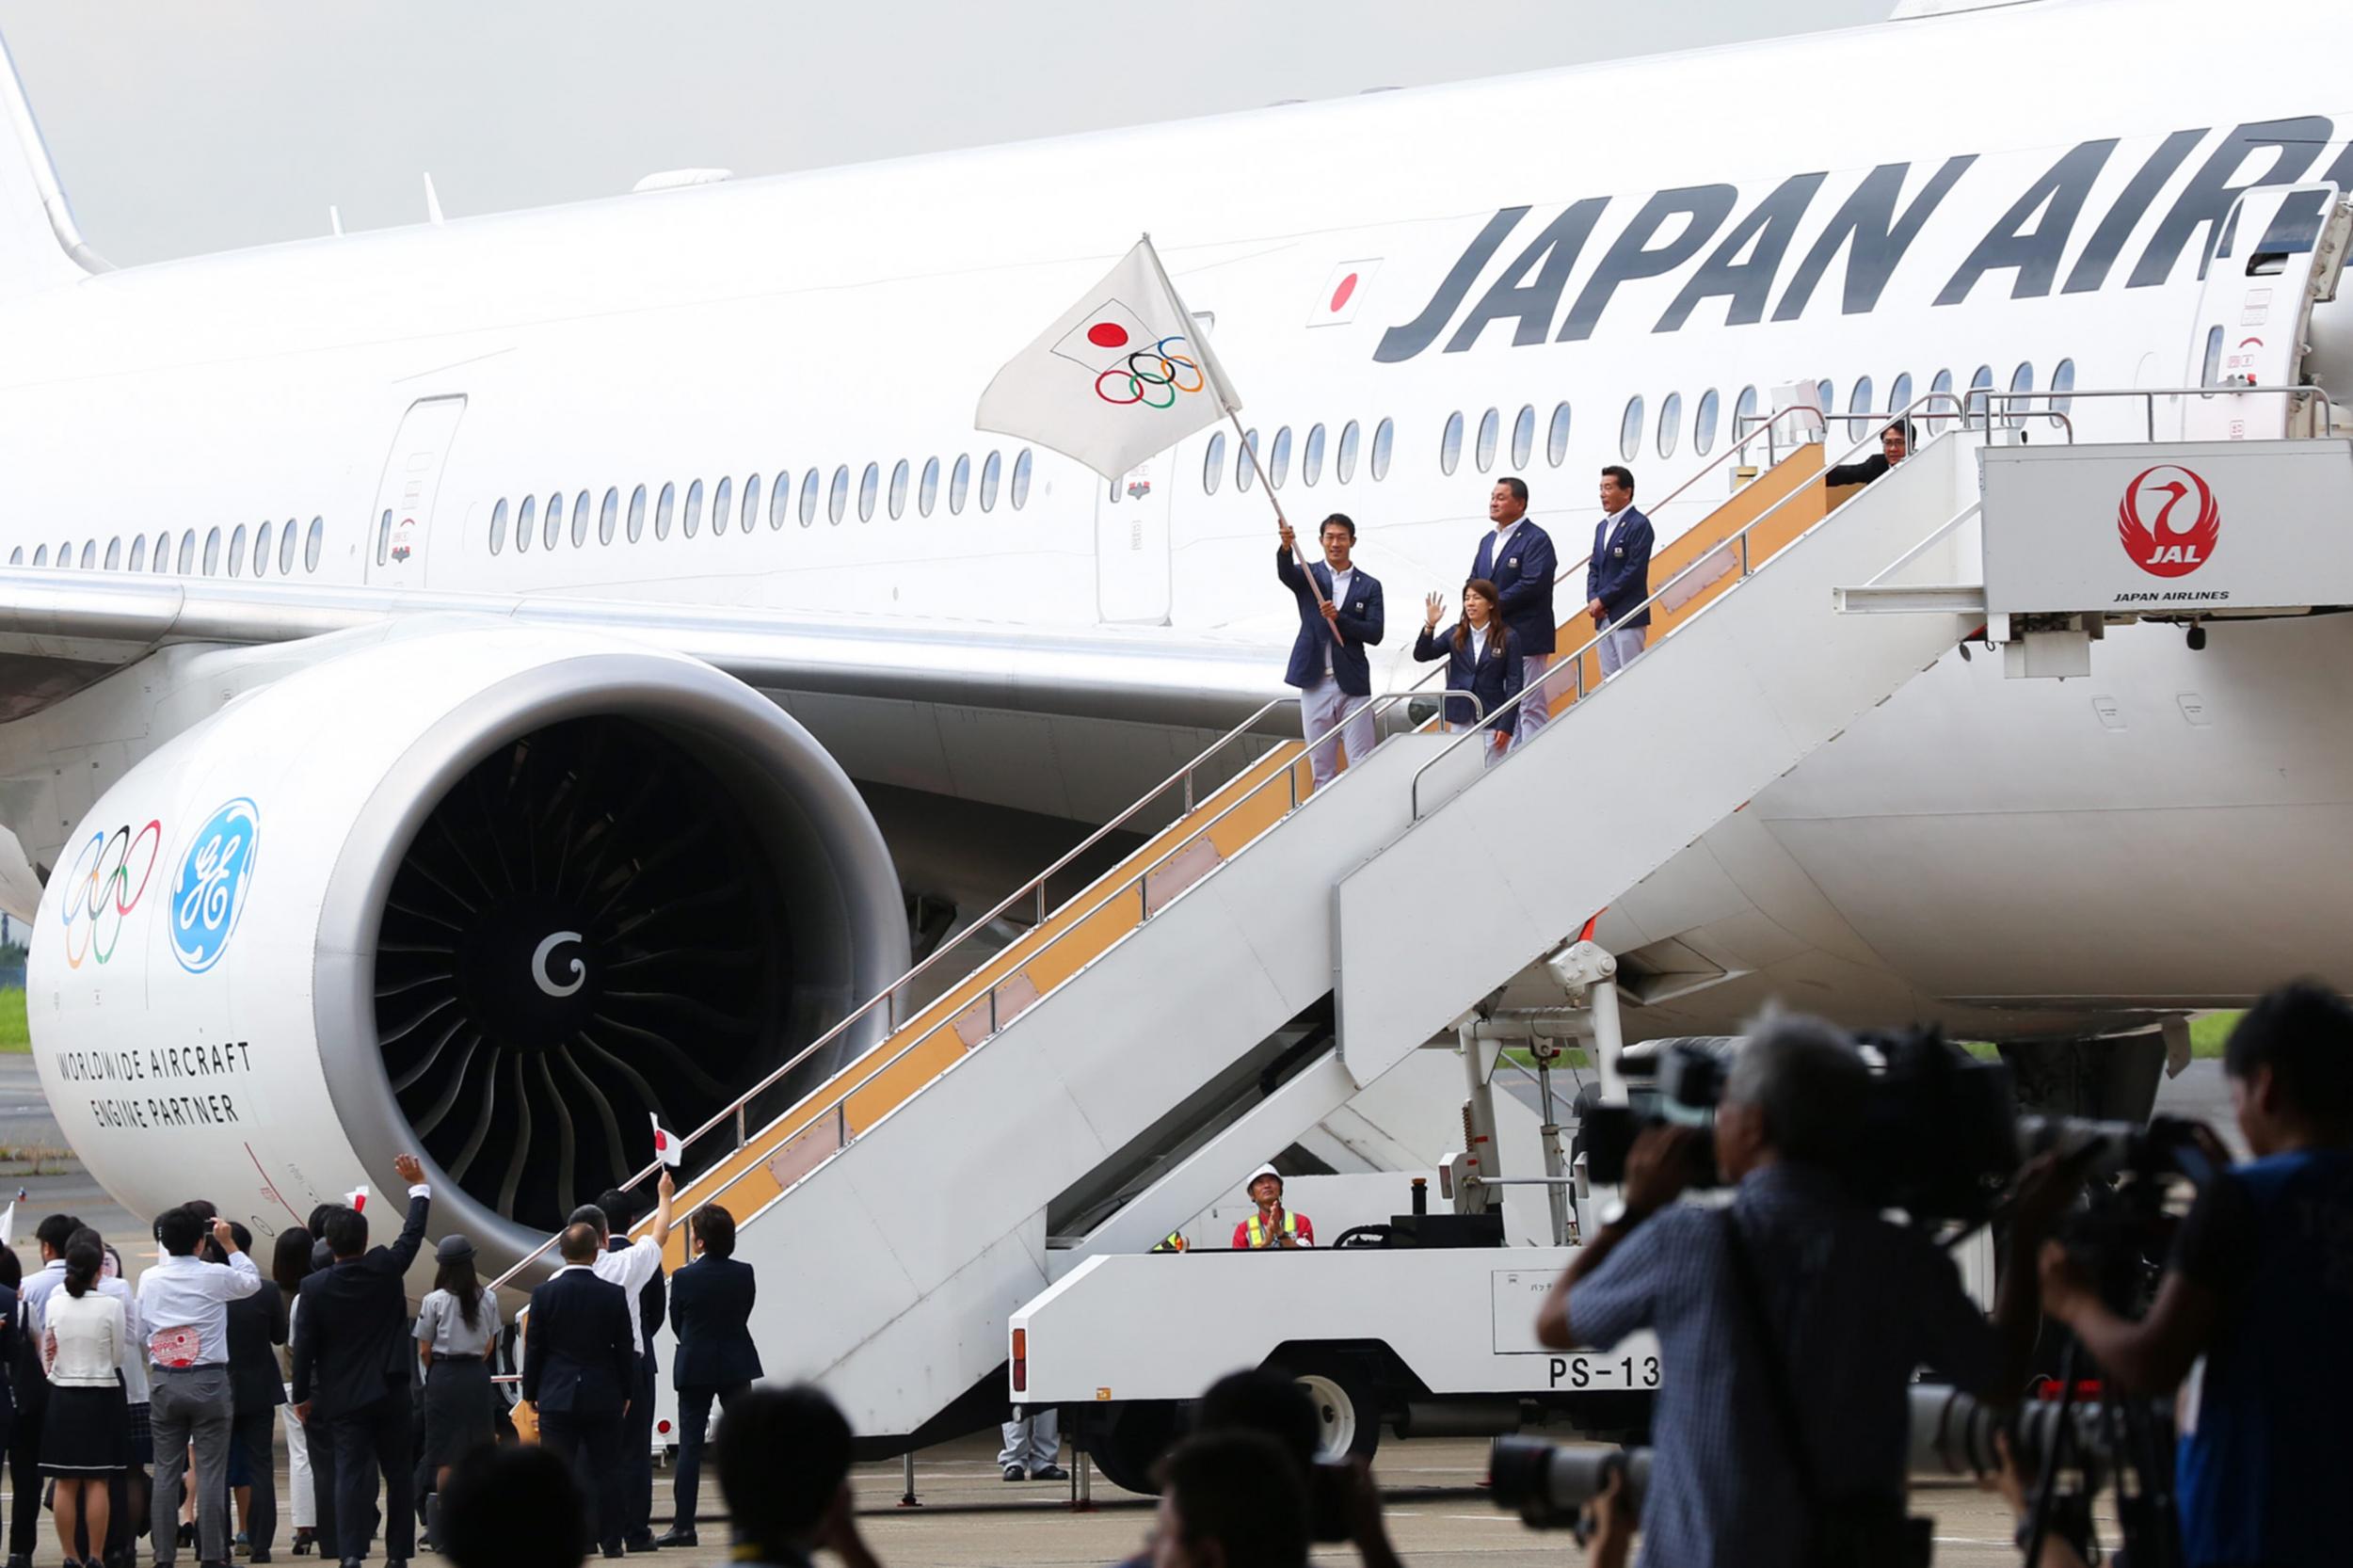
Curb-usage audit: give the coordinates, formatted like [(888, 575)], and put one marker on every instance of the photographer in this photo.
[(2249, 1321), (1798, 1283)]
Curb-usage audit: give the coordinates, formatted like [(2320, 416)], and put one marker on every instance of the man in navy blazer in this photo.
[(1340, 617), (711, 1310), (1517, 557), (580, 1365), (1617, 579)]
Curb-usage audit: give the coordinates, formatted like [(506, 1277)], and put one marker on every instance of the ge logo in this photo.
[(210, 893), (110, 876)]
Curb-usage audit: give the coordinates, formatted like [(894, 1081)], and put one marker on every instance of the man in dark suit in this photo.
[(1617, 578), (1895, 445), (352, 1357), (578, 1367), (638, 1435), (711, 1310), (1340, 616), (1517, 557)]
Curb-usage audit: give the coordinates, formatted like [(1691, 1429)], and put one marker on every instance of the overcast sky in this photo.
[(180, 128)]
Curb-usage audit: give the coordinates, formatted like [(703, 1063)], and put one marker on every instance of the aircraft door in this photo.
[(402, 521), (2276, 253), (1131, 544)]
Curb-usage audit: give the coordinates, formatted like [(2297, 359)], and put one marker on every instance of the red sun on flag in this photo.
[(1343, 291), (1105, 337)]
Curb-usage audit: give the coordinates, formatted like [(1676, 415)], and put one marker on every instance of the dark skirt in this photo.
[(457, 1399), (87, 1432)]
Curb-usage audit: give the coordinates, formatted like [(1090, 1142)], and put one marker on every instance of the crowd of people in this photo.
[(1499, 648)]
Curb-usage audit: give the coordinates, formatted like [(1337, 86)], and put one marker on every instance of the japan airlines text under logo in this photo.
[(2169, 520), (208, 894)]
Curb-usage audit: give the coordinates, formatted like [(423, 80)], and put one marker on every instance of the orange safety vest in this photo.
[(1257, 1227)]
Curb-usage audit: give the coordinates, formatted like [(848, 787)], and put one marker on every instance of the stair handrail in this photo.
[(1575, 660), (1378, 703)]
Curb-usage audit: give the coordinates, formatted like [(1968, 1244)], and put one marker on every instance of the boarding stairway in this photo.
[(1269, 952)]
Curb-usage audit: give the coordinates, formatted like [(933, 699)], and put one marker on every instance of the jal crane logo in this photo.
[(2169, 520)]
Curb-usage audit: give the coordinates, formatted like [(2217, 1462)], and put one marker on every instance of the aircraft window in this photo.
[(1450, 444), (1828, 400), (1383, 439), (138, 553), (1112, 495), (188, 554), (838, 497), (287, 548), (526, 524), (989, 472), (260, 549), (2020, 380), (498, 528), (1524, 437), (927, 493), (1859, 401), (312, 542), (237, 553), (692, 524), (1311, 455), (1980, 384), (810, 482), (1278, 466), (609, 515), (90, 553), (1630, 429), (1703, 424), (898, 490), (1669, 423), (869, 483), (2062, 382), (65, 555), (1344, 459), (212, 547), (1490, 424), (1213, 463), (664, 505), (779, 499), (1941, 411), (722, 501), (1557, 435), (16, 556), (751, 504), (114, 554), (638, 514), (580, 504), (40, 555), (1744, 414), (1245, 465), (555, 526), (1899, 394), (1022, 467), (383, 540)]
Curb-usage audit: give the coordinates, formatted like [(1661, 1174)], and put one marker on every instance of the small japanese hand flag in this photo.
[(357, 1199), (8, 1221), (666, 1144)]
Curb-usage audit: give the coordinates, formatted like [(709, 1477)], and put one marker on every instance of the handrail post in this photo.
[(743, 1133), (992, 1010)]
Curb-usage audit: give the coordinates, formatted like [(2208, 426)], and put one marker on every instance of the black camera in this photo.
[(1938, 1135), (1549, 1486)]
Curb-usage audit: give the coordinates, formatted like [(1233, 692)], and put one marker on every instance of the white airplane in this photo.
[(658, 634)]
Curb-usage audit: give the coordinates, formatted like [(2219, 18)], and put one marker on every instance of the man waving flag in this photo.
[(1122, 376)]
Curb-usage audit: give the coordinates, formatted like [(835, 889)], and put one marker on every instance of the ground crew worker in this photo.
[(1271, 1224)]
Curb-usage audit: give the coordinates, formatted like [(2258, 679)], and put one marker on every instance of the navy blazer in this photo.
[(1495, 681), (579, 1357), (1524, 578), (352, 1338), (257, 1325), (1621, 580), (1361, 621), (711, 1310)]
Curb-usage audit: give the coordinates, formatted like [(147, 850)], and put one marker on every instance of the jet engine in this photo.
[(503, 896)]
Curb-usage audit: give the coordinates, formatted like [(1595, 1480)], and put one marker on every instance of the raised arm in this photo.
[(411, 1236), (665, 1194)]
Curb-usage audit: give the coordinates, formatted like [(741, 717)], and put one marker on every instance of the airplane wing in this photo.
[(58, 634)]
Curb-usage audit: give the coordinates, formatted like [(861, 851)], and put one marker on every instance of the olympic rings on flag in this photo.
[(1151, 377), (99, 893)]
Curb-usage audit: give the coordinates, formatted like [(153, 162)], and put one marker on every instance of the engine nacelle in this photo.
[(492, 893)]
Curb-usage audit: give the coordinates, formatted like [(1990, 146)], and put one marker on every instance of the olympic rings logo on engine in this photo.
[(1151, 377), (109, 878), (208, 894)]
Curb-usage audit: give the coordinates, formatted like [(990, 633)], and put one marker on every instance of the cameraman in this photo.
[(1797, 1284), (2251, 1320)]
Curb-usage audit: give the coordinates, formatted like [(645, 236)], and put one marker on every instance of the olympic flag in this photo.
[(1122, 375)]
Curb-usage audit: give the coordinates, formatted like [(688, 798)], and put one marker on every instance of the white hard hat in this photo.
[(1262, 1170)]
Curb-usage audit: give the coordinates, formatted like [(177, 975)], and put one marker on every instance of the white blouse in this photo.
[(83, 1339)]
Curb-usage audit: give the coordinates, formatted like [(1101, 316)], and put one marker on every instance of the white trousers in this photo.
[(1620, 648), (1032, 1444), (1536, 704), (304, 1503), (1321, 707)]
